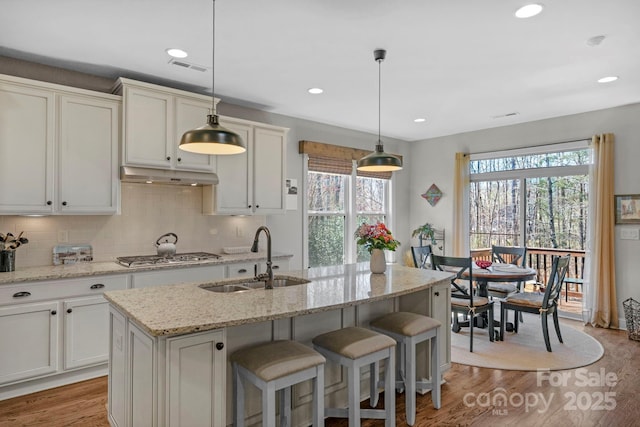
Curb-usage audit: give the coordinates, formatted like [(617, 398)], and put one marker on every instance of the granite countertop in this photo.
[(186, 308), (85, 269)]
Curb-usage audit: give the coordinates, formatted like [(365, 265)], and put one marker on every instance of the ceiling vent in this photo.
[(185, 64)]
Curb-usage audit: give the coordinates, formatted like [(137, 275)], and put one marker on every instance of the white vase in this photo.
[(378, 263)]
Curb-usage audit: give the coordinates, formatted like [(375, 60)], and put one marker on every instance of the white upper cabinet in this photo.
[(154, 119), (251, 183), (58, 149)]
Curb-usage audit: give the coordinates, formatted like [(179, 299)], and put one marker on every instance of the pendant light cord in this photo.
[(213, 61), (379, 97)]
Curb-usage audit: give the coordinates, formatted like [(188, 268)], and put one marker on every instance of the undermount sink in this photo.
[(278, 282)]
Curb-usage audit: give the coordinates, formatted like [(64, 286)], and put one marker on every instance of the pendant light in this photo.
[(212, 138), (379, 161)]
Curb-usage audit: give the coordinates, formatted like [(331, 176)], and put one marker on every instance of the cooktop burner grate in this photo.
[(186, 258)]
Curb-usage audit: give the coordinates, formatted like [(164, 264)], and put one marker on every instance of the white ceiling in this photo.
[(457, 63)]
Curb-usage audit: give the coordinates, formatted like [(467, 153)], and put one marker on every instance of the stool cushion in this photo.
[(404, 323), (505, 288), (463, 302), (354, 342), (276, 359)]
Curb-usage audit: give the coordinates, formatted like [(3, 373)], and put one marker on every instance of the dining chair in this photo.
[(544, 304), (421, 255), (516, 255), (464, 302)]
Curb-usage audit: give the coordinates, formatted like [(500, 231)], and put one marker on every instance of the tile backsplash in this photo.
[(147, 212)]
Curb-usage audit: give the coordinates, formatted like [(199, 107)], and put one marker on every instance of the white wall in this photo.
[(432, 161)]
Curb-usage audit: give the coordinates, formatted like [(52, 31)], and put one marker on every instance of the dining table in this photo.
[(498, 272)]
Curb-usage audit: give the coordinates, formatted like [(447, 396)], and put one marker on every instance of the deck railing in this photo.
[(540, 259)]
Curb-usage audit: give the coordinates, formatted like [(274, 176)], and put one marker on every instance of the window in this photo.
[(335, 208), (538, 200)]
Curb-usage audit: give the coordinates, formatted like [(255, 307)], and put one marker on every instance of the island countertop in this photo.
[(187, 308)]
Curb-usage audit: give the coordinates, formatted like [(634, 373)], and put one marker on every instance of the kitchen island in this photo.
[(169, 344)]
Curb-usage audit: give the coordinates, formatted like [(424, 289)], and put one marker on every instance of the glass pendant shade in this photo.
[(379, 161), (212, 138)]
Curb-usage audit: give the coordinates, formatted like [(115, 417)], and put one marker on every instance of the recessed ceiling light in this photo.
[(177, 53), (315, 90), (608, 79), (529, 10), (420, 120)]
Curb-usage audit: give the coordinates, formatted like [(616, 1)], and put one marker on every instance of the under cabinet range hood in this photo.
[(163, 176)]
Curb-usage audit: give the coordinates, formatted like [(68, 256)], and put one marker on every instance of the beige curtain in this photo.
[(461, 205), (601, 297)]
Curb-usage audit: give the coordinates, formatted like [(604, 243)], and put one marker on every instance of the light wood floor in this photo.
[(83, 404)]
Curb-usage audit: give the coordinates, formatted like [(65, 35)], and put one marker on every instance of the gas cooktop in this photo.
[(186, 258)]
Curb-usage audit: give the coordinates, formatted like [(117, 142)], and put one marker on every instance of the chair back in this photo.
[(420, 255), (462, 267), (554, 284), (515, 255)]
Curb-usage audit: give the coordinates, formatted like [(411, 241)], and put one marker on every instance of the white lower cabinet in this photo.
[(54, 332), (158, 381), (251, 269), (86, 331), (203, 274), (29, 341)]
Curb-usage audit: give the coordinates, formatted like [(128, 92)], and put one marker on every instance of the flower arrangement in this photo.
[(375, 236)]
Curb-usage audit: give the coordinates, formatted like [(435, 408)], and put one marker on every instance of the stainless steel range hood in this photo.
[(163, 176)]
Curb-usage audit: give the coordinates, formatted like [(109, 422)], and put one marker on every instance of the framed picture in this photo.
[(628, 209)]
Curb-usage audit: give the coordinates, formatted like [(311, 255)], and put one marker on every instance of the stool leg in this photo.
[(435, 369), (285, 407), (374, 376), (269, 405), (318, 397), (410, 380), (354, 395), (389, 389), (238, 386)]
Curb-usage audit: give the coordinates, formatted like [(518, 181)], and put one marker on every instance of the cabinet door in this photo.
[(148, 128), (26, 149), (269, 147), (88, 155), (118, 384), (196, 380), (86, 332), (191, 114), (233, 194), (29, 341), (142, 368)]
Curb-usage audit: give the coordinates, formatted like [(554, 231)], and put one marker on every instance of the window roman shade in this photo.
[(329, 158)]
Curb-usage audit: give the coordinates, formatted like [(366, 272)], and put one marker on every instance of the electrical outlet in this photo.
[(239, 231), (630, 234), (63, 236), (213, 231)]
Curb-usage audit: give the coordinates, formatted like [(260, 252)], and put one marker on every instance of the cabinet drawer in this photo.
[(56, 289), (179, 275), (246, 269)]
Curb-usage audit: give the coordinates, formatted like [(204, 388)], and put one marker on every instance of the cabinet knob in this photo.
[(53, 312), (97, 286), (49, 202), (64, 203), (219, 345), (437, 294), (179, 159), (249, 206), (242, 270), (168, 157), (257, 206), (69, 310), (22, 294)]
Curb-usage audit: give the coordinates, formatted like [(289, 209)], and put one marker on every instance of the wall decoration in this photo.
[(292, 194), (432, 195), (628, 209)]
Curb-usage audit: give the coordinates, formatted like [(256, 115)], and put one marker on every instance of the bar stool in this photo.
[(353, 348), (410, 329), (273, 366)]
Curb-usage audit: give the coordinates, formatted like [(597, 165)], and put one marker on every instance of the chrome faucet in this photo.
[(268, 276)]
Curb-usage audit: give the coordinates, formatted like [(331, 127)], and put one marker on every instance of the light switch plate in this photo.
[(630, 233)]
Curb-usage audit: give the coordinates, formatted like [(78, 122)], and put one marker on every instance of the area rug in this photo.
[(525, 351)]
